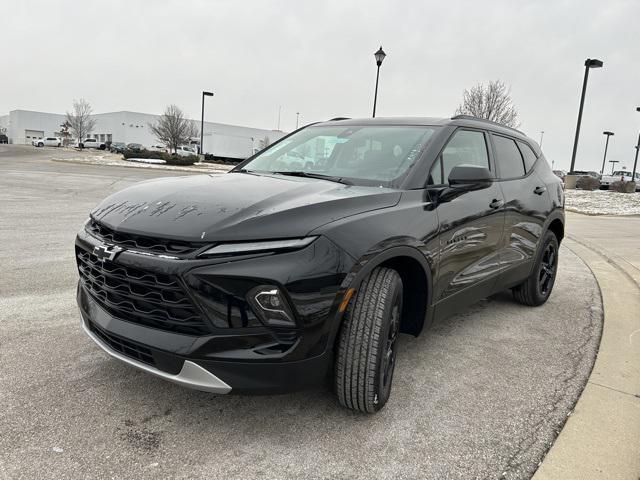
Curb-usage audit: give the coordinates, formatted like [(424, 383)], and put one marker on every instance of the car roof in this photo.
[(457, 121)]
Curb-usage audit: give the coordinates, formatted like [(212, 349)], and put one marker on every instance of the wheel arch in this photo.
[(415, 270), (556, 225)]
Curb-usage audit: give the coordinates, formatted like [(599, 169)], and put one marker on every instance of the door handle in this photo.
[(496, 203), (539, 190)]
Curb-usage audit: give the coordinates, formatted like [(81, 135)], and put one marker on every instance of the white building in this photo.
[(226, 141)]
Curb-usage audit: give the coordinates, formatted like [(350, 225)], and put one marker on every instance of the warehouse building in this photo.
[(219, 139)]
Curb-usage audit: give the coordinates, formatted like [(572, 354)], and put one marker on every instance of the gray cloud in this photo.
[(317, 58)]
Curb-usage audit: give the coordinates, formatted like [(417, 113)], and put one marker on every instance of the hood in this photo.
[(236, 206)]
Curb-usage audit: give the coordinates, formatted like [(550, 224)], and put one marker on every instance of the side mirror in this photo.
[(470, 177)]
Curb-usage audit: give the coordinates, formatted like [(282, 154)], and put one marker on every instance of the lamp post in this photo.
[(297, 119), (588, 64), (613, 164), (541, 137), (635, 162), (204, 94), (606, 146), (379, 58)]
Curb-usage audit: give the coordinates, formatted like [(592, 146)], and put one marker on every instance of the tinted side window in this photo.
[(528, 155), (508, 157), (467, 147)]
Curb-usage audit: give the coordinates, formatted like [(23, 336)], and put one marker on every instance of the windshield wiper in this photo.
[(320, 176)]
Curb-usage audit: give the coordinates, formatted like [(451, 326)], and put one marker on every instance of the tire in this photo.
[(535, 290), (40, 144), (367, 347)]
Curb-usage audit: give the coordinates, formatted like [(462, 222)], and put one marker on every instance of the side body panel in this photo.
[(470, 234)]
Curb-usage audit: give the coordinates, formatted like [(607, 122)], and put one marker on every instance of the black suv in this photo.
[(308, 259)]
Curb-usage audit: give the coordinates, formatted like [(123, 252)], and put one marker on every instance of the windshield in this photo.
[(364, 155)]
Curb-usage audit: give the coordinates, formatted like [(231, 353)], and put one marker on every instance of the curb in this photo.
[(601, 438)]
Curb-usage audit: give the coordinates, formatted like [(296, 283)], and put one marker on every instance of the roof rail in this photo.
[(471, 117), (338, 118)]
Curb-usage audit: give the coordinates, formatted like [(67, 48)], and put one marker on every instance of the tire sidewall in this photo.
[(380, 393), (549, 238)]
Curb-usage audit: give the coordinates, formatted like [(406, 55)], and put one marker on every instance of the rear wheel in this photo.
[(535, 290), (367, 344)]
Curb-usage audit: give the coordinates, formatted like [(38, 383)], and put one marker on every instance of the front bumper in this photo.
[(222, 360), (191, 374)]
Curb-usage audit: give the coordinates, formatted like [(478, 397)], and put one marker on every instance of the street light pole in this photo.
[(589, 63), (541, 137), (297, 119), (606, 146), (204, 94), (613, 164), (379, 55), (635, 162)]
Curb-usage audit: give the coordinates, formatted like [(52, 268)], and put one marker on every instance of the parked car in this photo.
[(185, 151), (4, 138), (117, 147), (618, 175), (135, 147), (585, 173), (270, 278), (92, 143), (47, 142), (157, 148)]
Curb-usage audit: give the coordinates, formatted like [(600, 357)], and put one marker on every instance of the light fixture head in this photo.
[(593, 63), (207, 94), (379, 56), (608, 133)]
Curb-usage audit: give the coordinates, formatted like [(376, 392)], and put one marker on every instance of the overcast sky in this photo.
[(316, 58)]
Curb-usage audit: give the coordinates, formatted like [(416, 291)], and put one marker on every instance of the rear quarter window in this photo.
[(528, 155), (508, 157)]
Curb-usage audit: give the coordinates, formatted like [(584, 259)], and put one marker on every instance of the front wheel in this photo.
[(367, 344), (535, 290)]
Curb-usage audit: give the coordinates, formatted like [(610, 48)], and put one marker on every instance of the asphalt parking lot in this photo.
[(481, 395)]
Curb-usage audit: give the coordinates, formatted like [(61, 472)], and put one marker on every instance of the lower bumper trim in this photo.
[(192, 375)]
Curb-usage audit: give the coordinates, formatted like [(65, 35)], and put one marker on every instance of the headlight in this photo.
[(268, 302), (252, 247)]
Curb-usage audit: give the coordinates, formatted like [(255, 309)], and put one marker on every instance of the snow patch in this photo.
[(602, 202), (155, 161)]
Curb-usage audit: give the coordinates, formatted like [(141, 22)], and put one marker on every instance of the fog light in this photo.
[(270, 305)]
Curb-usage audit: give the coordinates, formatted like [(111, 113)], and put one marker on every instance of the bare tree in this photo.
[(79, 120), (64, 132), (492, 102), (264, 143), (172, 129)]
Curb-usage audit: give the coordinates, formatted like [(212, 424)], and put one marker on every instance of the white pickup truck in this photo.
[(625, 175)]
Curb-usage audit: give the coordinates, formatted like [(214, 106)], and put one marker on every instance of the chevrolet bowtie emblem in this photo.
[(106, 252)]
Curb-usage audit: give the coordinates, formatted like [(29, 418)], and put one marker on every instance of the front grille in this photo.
[(139, 296), (125, 347), (139, 242)]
